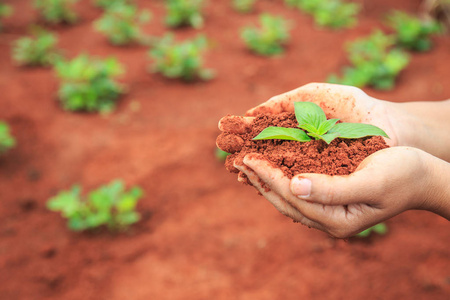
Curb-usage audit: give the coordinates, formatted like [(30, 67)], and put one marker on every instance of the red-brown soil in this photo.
[(203, 235), (340, 157)]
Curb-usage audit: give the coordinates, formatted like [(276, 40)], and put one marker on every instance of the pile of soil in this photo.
[(340, 157)]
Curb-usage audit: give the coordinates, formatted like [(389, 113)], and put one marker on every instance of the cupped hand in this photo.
[(385, 184)]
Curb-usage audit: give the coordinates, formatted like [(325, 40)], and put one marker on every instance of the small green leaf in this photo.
[(326, 126), (356, 130), (329, 137), (309, 128), (282, 133), (309, 113)]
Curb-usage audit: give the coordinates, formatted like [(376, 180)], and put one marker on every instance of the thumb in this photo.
[(337, 190)]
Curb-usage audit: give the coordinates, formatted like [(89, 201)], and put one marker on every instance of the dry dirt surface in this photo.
[(202, 235)]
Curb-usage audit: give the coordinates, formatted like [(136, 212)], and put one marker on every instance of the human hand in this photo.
[(385, 184)]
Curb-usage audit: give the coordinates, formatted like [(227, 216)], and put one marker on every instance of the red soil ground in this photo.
[(203, 235)]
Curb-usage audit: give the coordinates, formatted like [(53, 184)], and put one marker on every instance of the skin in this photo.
[(412, 174)]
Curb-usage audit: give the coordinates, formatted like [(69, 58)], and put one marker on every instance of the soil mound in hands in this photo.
[(340, 157)]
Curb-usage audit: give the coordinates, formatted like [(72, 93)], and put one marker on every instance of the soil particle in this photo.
[(340, 157)]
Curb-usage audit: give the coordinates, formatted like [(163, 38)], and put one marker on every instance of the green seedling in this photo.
[(57, 11), (180, 60), (411, 32), (329, 13), (375, 62), (110, 205), (105, 4), (313, 123), (243, 6), (184, 13), (121, 23), (87, 84), (7, 141), (380, 228), (39, 49), (221, 155), (5, 11), (270, 38)]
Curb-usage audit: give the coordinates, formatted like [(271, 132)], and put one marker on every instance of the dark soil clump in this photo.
[(340, 157)]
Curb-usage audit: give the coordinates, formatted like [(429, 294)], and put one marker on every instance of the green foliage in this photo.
[(411, 32), (36, 50), (110, 205), (243, 6), (57, 11), (270, 38), (180, 60), (87, 84), (105, 4), (121, 23), (329, 13), (7, 141), (184, 13), (221, 155), (5, 11), (374, 62), (380, 228), (312, 119)]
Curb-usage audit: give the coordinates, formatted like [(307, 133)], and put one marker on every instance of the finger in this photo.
[(281, 205), (230, 143), (236, 124)]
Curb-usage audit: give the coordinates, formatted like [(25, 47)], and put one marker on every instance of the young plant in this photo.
[(184, 13), (36, 50), (121, 23), (313, 123), (7, 141), (5, 11), (380, 228), (110, 205), (411, 32), (243, 6), (374, 62), (180, 60), (88, 83), (57, 11), (270, 38), (105, 4)]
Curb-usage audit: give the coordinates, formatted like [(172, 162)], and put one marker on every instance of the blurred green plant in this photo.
[(184, 13), (57, 11), (105, 4), (243, 6), (182, 60), (221, 155), (121, 23), (380, 228), (5, 11), (110, 205), (270, 38), (7, 141), (39, 49), (374, 62), (412, 33), (329, 13), (87, 84)]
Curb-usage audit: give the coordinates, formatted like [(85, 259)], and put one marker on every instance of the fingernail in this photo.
[(301, 187)]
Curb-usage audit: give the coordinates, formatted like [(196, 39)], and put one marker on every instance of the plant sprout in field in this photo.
[(57, 11), (243, 6), (411, 32), (5, 11), (87, 84), (374, 62), (184, 13), (105, 4), (380, 228), (313, 123), (7, 141), (180, 60), (36, 50), (270, 38), (121, 23), (110, 205)]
